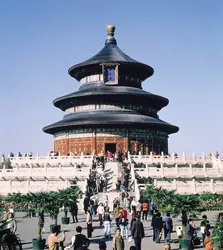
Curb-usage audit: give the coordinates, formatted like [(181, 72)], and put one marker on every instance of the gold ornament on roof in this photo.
[(111, 31)]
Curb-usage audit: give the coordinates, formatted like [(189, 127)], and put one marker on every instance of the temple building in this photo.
[(110, 111)]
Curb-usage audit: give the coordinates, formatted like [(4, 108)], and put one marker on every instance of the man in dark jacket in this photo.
[(152, 223), (158, 225), (189, 234), (137, 232), (86, 203)]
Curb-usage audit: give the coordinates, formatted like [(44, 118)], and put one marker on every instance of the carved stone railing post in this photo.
[(203, 158), (140, 156), (194, 185), (191, 171), (162, 157), (155, 183), (193, 157), (82, 157), (205, 170), (27, 186), (212, 186), (17, 170), (176, 170), (173, 157), (37, 158), (184, 158), (174, 184), (46, 185), (162, 171), (9, 186)]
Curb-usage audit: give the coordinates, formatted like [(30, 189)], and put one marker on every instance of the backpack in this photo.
[(123, 221)]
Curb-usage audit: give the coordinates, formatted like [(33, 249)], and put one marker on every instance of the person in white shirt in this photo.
[(138, 209), (106, 201), (133, 203), (100, 212)]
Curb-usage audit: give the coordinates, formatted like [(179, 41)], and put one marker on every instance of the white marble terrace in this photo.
[(39, 173)]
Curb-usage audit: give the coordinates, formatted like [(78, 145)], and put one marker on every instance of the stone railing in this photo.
[(46, 172), (15, 186), (136, 187), (50, 160), (185, 172), (192, 186), (180, 159)]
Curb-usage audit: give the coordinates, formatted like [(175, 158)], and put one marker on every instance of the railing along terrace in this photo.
[(50, 159), (47, 172), (173, 158), (160, 171)]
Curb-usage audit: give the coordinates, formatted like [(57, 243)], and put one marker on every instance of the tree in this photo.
[(68, 198)]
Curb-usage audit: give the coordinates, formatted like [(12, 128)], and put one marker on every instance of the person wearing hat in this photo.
[(118, 242)]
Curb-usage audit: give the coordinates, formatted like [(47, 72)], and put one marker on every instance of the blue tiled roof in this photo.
[(111, 53), (99, 89), (109, 117)]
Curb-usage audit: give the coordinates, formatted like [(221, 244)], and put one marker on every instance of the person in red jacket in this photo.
[(145, 209)]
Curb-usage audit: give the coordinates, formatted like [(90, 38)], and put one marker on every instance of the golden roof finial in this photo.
[(111, 31)]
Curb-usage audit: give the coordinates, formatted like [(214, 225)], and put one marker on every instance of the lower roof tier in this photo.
[(97, 92), (96, 118)]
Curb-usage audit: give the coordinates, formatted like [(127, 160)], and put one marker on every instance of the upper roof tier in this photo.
[(111, 53)]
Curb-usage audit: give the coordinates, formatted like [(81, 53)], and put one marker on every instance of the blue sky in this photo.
[(181, 40)]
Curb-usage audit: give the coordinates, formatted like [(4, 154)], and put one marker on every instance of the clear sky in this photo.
[(181, 40)]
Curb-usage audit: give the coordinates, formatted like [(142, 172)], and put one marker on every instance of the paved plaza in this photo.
[(27, 230)]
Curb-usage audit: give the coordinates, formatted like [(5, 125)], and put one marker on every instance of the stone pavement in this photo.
[(27, 230)]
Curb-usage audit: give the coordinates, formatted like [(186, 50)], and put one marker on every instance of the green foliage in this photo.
[(68, 197), (170, 201), (217, 235)]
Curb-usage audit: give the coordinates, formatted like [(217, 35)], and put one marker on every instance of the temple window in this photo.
[(110, 72)]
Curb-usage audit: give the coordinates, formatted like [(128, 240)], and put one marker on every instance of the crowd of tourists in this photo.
[(127, 214)]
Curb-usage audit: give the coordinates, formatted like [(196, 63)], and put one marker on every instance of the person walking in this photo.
[(116, 214), (204, 226), (152, 224), (86, 203), (145, 210), (100, 212), (123, 223), (11, 223), (133, 217), (89, 224), (139, 208), (107, 223), (137, 233), (117, 241), (74, 212), (158, 225), (189, 234), (168, 227)]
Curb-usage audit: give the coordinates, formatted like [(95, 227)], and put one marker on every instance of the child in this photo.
[(208, 241)]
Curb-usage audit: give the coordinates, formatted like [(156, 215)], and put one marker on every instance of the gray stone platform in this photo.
[(27, 230)]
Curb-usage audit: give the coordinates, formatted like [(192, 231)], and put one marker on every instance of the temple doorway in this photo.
[(111, 147)]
